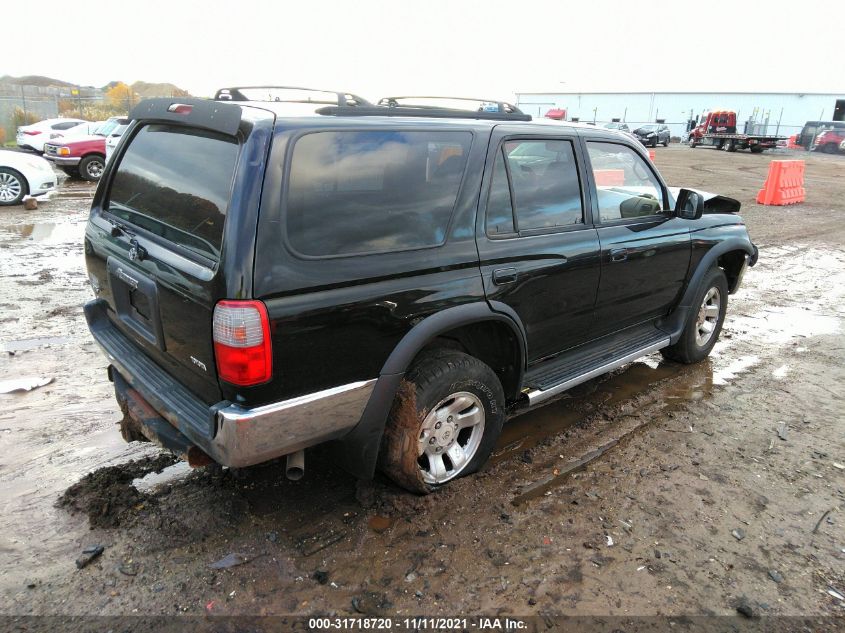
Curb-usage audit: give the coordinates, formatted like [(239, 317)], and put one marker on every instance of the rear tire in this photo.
[(666, 142), (444, 421), (13, 187), (91, 167), (756, 149), (704, 323)]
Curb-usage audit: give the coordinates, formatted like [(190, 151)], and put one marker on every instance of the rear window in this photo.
[(366, 192), (175, 183)]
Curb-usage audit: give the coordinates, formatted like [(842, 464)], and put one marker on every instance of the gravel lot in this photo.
[(697, 489)]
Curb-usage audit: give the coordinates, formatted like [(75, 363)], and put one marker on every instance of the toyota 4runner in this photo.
[(280, 268)]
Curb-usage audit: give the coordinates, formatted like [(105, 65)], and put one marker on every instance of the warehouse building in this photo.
[(778, 113)]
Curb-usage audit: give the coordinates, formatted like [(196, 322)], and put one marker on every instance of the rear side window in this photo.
[(544, 188), (367, 192), (175, 183)]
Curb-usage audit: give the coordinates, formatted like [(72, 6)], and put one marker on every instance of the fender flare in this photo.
[(358, 450), (674, 323)]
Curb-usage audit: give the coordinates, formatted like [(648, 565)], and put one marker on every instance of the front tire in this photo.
[(705, 323), (444, 421), (91, 167), (13, 187)]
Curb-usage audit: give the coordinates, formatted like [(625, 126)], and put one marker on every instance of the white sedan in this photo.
[(23, 174), (34, 136)]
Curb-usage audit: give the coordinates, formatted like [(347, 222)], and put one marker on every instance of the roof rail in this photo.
[(391, 106), (486, 104), (341, 99)]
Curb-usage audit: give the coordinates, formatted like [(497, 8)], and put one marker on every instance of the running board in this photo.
[(573, 373)]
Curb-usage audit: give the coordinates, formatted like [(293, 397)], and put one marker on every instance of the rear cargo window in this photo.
[(175, 183), (366, 192)]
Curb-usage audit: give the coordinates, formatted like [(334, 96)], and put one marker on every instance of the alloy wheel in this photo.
[(450, 436), (10, 187), (708, 316)]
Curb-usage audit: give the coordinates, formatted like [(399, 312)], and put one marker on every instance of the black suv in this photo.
[(653, 133), (395, 278)]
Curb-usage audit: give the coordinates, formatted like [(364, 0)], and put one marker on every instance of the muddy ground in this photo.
[(704, 487)]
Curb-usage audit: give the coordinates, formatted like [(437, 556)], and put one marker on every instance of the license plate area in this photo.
[(136, 301)]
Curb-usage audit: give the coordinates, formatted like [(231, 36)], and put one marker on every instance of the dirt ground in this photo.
[(698, 489)]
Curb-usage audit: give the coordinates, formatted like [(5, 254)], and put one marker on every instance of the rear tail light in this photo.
[(32, 132), (242, 344)]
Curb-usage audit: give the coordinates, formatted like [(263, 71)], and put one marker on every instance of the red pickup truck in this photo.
[(82, 156), (829, 140)]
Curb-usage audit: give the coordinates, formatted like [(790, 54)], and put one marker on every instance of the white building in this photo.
[(781, 113)]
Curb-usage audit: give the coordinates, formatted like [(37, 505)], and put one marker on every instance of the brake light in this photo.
[(242, 346), (32, 132), (180, 108)]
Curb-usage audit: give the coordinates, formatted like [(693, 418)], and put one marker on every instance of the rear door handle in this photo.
[(618, 254), (503, 276)]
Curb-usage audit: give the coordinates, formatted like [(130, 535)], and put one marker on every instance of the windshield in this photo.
[(648, 128), (106, 128)]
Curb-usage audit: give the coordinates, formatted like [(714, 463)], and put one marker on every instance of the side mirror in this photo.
[(690, 204)]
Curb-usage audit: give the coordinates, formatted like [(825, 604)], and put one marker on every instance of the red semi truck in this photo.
[(718, 129)]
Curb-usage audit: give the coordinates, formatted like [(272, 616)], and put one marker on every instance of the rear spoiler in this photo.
[(202, 113)]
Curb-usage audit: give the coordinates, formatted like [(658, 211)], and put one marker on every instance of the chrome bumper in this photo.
[(251, 436), (63, 160), (232, 435)]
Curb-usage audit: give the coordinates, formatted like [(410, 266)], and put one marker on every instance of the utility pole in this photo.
[(23, 98)]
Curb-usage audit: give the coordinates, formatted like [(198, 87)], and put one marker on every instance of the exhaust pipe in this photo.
[(295, 469)]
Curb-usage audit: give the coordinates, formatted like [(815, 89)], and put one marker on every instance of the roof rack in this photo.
[(342, 99), (391, 106)]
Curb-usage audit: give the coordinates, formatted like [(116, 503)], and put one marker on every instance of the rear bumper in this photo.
[(232, 435)]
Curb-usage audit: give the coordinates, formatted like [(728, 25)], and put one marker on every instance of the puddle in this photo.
[(527, 430), (24, 345), (777, 326), (48, 232), (735, 367)]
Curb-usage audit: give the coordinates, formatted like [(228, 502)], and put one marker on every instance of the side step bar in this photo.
[(585, 373)]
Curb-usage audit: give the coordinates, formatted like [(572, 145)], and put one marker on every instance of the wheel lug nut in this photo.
[(431, 441), (438, 425), (450, 418)]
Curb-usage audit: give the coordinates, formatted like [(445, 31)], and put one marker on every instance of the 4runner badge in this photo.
[(199, 363)]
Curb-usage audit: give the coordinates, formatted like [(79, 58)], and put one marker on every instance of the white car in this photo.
[(23, 174), (34, 136), (80, 129), (114, 137)]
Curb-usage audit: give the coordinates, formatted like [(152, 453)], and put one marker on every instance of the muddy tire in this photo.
[(756, 149), (444, 421), (91, 167), (704, 323), (13, 187)]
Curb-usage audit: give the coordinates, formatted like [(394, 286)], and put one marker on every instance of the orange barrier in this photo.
[(651, 154), (792, 144), (609, 177), (784, 184)]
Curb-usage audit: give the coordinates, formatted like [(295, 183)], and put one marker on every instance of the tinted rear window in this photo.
[(364, 192), (175, 183)]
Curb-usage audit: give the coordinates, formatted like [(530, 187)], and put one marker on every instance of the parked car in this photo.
[(114, 137), (80, 129), (82, 156), (397, 279), (652, 134), (842, 146), (614, 125), (23, 174), (829, 139), (812, 129), (34, 136)]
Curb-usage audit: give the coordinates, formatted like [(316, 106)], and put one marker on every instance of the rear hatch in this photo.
[(161, 226)]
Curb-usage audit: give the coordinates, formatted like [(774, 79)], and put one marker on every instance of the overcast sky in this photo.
[(485, 49)]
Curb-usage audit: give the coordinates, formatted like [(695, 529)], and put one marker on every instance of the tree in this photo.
[(120, 96)]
